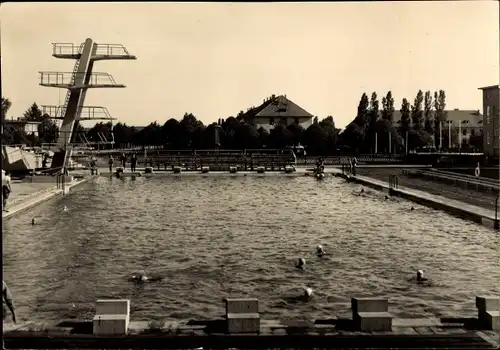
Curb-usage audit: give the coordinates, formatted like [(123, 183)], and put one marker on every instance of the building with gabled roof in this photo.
[(277, 110)]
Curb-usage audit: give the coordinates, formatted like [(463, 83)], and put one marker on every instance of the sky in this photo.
[(215, 59)]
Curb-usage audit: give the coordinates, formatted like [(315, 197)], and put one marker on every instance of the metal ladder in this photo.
[(68, 94)]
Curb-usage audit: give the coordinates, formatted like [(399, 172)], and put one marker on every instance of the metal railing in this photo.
[(68, 78), (111, 50), (66, 49)]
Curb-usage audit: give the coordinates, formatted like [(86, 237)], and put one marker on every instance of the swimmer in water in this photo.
[(65, 208), (411, 209), (33, 221), (140, 278), (386, 197), (301, 264), (320, 251), (308, 292), (420, 277)]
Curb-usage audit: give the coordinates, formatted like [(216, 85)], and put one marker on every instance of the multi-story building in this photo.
[(491, 109), (277, 110)]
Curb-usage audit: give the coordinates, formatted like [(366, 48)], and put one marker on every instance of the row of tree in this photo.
[(373, 129), (421, 124)]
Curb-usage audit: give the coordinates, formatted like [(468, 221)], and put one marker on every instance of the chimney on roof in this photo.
[(273, 96), (456, 109)]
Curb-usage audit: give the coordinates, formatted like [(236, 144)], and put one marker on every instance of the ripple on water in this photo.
[(213, 237)]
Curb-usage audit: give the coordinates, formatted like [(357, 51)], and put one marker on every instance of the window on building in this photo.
[(297, 121), (487, 111), (488, 138), (464, 132), (271, 121), (284, 121)]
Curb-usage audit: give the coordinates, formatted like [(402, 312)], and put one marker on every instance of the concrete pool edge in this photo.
[(46, 196), (370, 325), (419, 333), (458, 209)]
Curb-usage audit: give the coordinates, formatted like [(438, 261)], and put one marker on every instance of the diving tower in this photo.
[(76, 83)]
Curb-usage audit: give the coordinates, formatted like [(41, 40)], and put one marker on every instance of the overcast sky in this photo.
[(214, 60)]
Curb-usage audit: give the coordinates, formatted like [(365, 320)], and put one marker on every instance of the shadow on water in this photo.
[(216, 237)]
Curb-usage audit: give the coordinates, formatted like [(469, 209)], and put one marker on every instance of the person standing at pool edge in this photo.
[(133, 162), (124, 160), (6, 189), (111, 161), (7, 303)]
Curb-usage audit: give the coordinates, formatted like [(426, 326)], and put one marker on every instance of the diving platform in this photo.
[(77, 82), (67, 80), (100, 51), (83, 113)]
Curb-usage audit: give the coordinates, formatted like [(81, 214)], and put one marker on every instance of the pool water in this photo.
[(214, 237)]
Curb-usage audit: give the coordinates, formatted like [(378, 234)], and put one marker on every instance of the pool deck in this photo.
[(27, 195), (460, 209), (332, 333), (301, 170)]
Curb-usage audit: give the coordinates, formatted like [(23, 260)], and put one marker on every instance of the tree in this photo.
[(362, 115), (416, 111), (33, 114), (328, 125), (263, 137), (372, 115), (247, 137), (6, 104), (280, 137), (440, 115), (48, 131), (188, 125), (354, 134), (170, 134), (388, 107), (385, 131), (296, 132), (122, 134), (428, 121), (315, 139), (405, 119)]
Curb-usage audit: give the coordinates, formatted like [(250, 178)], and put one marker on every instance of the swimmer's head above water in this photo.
[(420, 276), (301, 263), (139, 278), (320, 251)]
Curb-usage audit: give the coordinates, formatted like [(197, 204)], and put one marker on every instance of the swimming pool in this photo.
[(212, 237)]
